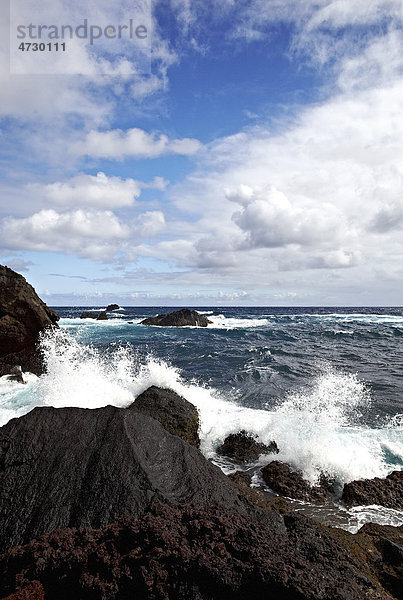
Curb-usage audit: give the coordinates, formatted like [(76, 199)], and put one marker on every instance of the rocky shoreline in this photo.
[(23, 316), (117, 503), (113, 503)]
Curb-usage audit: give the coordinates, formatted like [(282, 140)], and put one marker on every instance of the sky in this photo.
[(256, 159)]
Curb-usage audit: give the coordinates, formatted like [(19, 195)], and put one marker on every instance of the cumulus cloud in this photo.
[(315, 195), (90, 190), (96, 234), (135, 143), (149, 224), (87, 233), (270, 220)]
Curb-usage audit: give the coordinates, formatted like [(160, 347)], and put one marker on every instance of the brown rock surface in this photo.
[(179, 553), (386, 492), (243, 447), (284, 481), (23, 315)]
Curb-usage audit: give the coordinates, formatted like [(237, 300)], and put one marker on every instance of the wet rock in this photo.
[(242, 481), (284, 481), (179, 553), (16, 374), (180, 318), (23, 316), (384, 544), (386, 492), (176, 415), (112, 307), (101, 316), (72, 467), (243, 447)]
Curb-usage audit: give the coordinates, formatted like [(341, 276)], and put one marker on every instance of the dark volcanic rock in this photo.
[(282, 479), (102, 316), (32, 591), (243, 447), (23, 316), (242, 481), (176, 415), (385, 544), (72, 467), (179, 318), (112, 307), (176, 553), (386, 492), (16, 374)]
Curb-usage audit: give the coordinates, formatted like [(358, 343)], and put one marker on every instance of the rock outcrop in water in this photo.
[(23, 315), (176, 415), (243, 447), (72, 467), (180, 318), (174, 553), (111, 307), (386, 492), (284, 481), (101, 316)]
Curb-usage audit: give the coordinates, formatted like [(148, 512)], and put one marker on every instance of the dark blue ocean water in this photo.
[(325, 383), (257, 355)]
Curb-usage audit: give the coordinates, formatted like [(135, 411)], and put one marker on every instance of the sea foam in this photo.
[(317, 430)]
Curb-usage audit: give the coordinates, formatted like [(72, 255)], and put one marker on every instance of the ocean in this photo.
[(325, 383)]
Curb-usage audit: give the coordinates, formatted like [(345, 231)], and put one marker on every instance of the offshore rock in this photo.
[(102, 316), (23, 316), (284, 481), (112, 307), (176, 415), (180, 553), (386, 492), (72, 467), (180, 318), (243, 447)]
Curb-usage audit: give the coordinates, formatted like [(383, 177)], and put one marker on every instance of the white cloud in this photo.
[(96, 234), (90, 191), (136, 143), (270, 220), (87, 233), (17, 264), (316, 196), (149, 224), (387, 218)]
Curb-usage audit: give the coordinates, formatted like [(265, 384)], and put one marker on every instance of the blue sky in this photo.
[(258, 163)]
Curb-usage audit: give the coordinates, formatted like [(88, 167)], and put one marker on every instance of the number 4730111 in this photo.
[(42, 47)]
